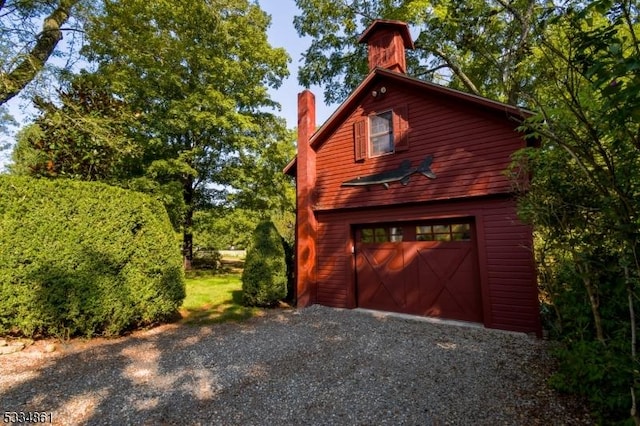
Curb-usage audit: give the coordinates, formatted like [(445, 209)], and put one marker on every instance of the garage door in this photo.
[(419, 268)]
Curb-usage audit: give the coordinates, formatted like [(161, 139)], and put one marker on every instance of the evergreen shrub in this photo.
[(84, 258), (264, 278)]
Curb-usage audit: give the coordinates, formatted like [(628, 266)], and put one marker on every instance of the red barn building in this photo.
[(402, 200)]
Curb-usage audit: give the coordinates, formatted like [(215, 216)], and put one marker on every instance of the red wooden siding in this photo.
[(334, 264), (506, 269), (470, 149), (510, 268)]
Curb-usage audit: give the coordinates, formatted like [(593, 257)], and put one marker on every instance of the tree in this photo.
[(589, 112), (224, 228), (196, 72), (86, 137), (25, 47), (481, 46), (264, 278)]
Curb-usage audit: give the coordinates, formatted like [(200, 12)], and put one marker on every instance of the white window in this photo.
[(381, 134)]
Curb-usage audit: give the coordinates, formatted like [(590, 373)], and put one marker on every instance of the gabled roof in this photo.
[(351, 103)]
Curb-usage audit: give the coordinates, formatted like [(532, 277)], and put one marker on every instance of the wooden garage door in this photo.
[(420, 268)]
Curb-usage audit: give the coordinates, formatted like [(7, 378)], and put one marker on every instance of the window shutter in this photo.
[(401, 128), (360, 139)]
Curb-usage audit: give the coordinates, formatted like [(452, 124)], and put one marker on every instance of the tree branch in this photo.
[(458, 72), (432, 70), (13, 82)]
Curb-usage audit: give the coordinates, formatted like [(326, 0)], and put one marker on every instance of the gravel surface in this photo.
[(315, 366)]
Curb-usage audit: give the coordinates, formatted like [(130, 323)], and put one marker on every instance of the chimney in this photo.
[(306, 224), (387, 41)]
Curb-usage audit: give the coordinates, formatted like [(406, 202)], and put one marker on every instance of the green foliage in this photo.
[(168, 192), (197, 72), (84, 138), (227, 228), (31, 31), (260, 184), (224, 228), (479, 46), (82, 258), (584, 198), (264, 279), (598, 372), (206, 260)]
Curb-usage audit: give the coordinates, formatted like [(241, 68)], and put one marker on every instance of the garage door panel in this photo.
[(381, 267), (431, 278), (452, 291), (443, 261)]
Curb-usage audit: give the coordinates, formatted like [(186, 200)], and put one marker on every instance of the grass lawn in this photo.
[(214, 298)]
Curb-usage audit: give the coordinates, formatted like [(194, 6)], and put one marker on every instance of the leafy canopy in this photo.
[(197, 74), (480, 46), (174, 98)]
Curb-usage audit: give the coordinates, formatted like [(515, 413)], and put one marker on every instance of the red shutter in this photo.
[(360, 139), (401, 128)]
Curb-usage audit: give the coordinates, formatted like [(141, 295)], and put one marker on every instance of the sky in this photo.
[(281, 34)]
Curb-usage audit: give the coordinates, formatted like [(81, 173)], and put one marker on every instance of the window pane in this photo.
[(366, 235), (381, 235), (461, 232), (424, 233), (460, 237), (381, 144), (381, 133), (442, 237), (440, 229), (460, 227), (395, 234), (381, 123), (423, 229)]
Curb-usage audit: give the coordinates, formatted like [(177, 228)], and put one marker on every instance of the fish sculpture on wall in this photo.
[(402, 174)]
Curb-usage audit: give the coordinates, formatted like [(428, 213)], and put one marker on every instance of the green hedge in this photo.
[(84, 258), (264, 278)]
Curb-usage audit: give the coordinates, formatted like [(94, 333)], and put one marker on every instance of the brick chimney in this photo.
[(387, 41), (306, 224)]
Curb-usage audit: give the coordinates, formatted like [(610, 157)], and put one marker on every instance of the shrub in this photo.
[(602, 372), (264, 279), (84, 258), (210, 260)]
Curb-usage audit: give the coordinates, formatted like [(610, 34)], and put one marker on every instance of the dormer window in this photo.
[(380, 134)]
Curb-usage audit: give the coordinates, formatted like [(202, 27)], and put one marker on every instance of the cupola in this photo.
[(387, 41)]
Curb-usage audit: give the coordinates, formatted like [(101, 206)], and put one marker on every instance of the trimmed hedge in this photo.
[(264, 278), (84, 258)]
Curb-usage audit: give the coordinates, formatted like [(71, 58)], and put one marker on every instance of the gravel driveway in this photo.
[(311, 366)]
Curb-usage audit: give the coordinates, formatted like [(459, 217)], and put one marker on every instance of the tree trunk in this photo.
[(632, 320), (187, 236), (595, 309), (593, 301), (12, 83)]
